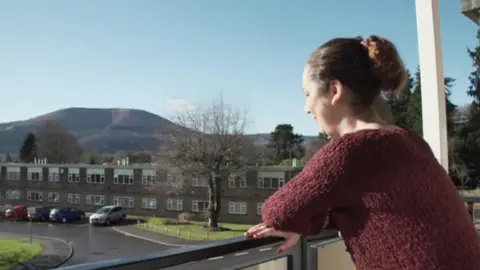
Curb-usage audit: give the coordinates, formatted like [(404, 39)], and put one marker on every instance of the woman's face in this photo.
[(323, 104)]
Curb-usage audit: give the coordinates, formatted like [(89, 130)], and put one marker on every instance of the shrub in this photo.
[(168, 221)]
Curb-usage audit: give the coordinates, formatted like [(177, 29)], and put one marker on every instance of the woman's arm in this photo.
[(302, 205)]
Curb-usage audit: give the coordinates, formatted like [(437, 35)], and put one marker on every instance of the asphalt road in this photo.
[(92, 244)]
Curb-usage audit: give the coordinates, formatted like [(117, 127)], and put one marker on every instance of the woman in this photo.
[(380, 185)]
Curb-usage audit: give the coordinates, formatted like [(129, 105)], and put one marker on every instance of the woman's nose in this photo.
[(306, 109)]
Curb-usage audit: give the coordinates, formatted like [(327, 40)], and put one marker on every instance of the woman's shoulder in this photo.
[(375, 142)]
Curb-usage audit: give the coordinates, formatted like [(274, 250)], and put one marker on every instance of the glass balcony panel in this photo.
[(333, 256), (278, 264)]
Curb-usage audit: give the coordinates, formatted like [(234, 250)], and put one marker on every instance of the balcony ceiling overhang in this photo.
[(471, 9)]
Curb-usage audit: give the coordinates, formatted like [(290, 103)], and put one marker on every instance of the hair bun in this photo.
[(387, 65)]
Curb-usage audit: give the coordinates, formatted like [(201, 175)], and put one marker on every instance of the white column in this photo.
[(432, 79)]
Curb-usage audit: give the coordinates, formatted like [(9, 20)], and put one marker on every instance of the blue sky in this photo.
[(155, 55)]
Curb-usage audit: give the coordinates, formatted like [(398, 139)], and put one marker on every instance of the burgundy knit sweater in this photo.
[(393, 203)]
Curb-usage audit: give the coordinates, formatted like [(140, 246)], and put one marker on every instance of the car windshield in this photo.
[(103, 210), (32, 210), (55, 210)]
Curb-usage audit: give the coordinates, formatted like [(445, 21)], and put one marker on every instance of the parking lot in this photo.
[(90, 243)]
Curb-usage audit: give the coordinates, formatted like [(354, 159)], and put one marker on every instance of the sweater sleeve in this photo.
[(302, 205)]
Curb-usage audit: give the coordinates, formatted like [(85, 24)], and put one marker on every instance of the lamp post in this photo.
[(30, 230)]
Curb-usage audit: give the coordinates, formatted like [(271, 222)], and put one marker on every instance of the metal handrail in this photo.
[(178, 256)]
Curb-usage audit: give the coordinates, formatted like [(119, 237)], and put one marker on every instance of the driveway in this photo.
[(90, 243)]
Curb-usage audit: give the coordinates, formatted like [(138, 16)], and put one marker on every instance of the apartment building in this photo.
[(141, 189)]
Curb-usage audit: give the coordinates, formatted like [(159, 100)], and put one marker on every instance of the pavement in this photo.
[(55, 252), (90, 243), (99, 243), (162, 239), (242, 259)]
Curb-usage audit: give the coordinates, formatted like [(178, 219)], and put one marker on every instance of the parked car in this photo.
[(107, 215), (39, 213), (17, 212), (66, 214), (3, 209)]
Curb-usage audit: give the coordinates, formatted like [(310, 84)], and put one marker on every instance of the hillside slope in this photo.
[(103, 130)]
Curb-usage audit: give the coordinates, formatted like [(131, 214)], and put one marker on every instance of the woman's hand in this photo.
[(261, 230)]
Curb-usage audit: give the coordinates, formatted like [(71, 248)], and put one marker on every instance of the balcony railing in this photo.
[(324, 251)]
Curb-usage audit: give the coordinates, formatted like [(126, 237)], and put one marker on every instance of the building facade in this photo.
[(141, 189)]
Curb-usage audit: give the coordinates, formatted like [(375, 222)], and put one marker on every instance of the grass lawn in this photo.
[(13, 251), (195, 230)]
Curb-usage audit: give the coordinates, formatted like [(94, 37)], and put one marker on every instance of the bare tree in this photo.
[(457, 168), (91, 157), (175, 181), (57, 144), (213, 147)]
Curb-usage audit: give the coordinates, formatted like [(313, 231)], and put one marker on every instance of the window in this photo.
[(235, 181), (73, 177), (149, 203), (54, 197), (123, 179), (126, 202), (34, 176), (95, 178), (36, 196), (175, 181), (198, 181), (199, 206), (172, 179), (237, 208), (270, 183), (98, 200), (149, 180), (12, 194), (53, 177), (174, 205), (259, 208), (73, 198), (13, 175)]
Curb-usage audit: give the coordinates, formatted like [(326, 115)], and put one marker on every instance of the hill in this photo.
[(103, 130)]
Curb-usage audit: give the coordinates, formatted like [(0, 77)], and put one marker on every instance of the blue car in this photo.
[(66, 214)]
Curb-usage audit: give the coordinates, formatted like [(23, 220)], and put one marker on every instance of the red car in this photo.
[(17, 212)]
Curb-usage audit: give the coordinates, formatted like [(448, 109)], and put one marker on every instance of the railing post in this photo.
[(304, 250), (470, 210)]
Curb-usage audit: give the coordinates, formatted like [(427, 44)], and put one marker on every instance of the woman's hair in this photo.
[(365, 66)]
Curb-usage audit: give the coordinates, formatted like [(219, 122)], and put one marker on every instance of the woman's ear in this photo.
[(336, 89)]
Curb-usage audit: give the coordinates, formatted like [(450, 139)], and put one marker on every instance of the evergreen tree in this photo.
[(285, 144), (413, 117), (28, 151), (469, 151), (414, 106), (398, 102)]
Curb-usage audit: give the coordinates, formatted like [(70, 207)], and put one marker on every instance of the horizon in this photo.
[(162, 56), (133, 109)]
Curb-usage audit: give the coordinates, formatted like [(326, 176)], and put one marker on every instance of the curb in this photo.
[(69, 256), (144, 238)]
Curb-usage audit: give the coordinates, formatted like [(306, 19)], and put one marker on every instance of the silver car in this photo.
[(107, 215)]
